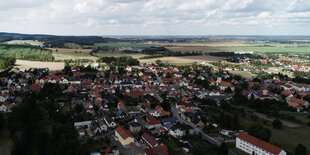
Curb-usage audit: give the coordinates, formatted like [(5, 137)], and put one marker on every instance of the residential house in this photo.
[(253, 145), (123, 136), (149, 140)]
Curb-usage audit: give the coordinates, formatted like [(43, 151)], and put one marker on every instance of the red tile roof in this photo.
[(149, 139), (296, 100), (152, 120), (122, 132), (259, 143), (159, 150)]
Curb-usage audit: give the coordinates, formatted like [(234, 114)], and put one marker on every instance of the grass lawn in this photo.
[(244, 74)]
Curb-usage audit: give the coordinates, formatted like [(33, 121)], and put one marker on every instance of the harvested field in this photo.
[(52, 66), (30, 42), (184, 59), (67, 54)]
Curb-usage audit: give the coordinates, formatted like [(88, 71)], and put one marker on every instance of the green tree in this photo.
[(300, 150), (277, 124), (223, 150)]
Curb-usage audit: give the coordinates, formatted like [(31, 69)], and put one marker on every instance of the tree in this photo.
[(223, 150), (300, 150), (277, 124), (260, 132)]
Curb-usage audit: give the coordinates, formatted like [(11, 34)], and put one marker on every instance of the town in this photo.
[(119, 106)]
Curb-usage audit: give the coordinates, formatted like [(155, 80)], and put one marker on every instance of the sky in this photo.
[(156, 17)]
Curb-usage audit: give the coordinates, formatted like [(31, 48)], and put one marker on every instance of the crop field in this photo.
[(30, 42), (202, 44), (269, 49), (122, 44), (52, 66), (194, 49), (119, 54), (183, 59), (302, 47), (74, 54)]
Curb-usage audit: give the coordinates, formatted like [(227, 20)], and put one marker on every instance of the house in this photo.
[(152, 122), (109, 121), (253, 145), (225, 85), (175, 131), (101, 125), (149, 140), (134, 127), (158, 150), (300, 102), (170, 120), (123, 136), (35, 88)]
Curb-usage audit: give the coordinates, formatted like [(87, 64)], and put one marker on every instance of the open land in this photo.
[(183, 59), (30, 42), (53, 66), (74, 54)]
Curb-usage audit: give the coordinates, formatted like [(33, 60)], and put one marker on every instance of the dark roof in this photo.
[(134, 124), (170, 120), (109, 119)]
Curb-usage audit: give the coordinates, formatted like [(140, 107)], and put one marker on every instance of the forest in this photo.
[(6, 62), (26, 52)]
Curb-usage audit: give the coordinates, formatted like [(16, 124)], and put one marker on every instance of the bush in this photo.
[(277, 124)]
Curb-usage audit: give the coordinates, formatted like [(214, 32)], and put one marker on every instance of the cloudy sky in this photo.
[(156, 17)]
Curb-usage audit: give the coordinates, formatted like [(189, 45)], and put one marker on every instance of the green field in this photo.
[(122, 44), (271, 47)]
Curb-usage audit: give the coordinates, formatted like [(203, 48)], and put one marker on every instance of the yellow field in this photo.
[(30, 42), (183, 59), (52, 66)]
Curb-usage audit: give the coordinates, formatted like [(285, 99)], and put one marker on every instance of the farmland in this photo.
[(74, 54), (29, 42), (183, 59), (122, 44), (52, 66)]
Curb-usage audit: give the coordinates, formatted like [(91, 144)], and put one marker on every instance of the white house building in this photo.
[(252, 145)]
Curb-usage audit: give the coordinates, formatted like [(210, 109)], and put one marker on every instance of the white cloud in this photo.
[(100, 17)]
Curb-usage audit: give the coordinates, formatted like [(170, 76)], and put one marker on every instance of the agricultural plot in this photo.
[(122, 45), (52, 66), (273, 48), (74, 54), (23, 42), (183, 59), (120, 54), (194, 49)]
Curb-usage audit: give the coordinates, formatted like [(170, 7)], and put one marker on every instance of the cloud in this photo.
[(155, 17)]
